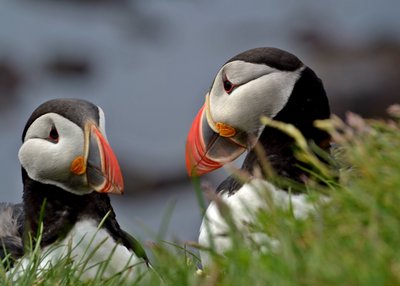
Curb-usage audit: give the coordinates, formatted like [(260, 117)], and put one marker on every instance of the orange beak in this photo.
[(103, 171), (208, 150)]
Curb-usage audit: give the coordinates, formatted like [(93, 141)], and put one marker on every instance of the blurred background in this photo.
[(149, 63)]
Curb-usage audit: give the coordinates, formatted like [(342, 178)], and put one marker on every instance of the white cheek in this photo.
[(48, 162), (266, 95), (272, 92), (240, 71), (35, 155)]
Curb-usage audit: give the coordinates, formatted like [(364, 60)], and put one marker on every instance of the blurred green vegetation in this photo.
[(351, 239)]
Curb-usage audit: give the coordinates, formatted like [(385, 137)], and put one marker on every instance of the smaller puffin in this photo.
[(68, 170), (259, 82)]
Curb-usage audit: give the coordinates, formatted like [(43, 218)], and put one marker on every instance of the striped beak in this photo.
[(103, 172), (210, 145)]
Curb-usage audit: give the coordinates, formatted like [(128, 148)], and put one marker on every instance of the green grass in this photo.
[(353, 239)]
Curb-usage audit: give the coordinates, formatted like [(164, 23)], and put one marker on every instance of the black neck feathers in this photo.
[(63, 209)]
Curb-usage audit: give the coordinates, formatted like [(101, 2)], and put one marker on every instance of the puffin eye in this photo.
[(53, 135), (228, 86)]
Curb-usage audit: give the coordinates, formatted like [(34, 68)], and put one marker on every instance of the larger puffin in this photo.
[(68, 169), (259, 82)]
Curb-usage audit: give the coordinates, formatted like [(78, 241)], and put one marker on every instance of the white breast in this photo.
[(92, 250), (244, 205)]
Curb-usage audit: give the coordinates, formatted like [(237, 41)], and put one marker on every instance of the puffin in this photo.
[(261, 82), (68, 170)]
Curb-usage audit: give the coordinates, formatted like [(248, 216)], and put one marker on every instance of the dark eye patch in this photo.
[(53, 134)]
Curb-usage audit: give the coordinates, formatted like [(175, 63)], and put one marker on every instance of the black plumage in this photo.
[(63, 209)]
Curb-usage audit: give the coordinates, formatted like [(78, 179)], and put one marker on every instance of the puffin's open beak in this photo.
[(210, 147), (102, 168)]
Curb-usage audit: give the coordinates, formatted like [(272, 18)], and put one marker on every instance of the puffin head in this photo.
[(65, 144), (258, 82)]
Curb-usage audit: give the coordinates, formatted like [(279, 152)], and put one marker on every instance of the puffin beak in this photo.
[(102, 168), (211, 145)]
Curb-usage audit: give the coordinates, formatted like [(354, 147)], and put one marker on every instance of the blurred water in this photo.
[(151, 63)]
